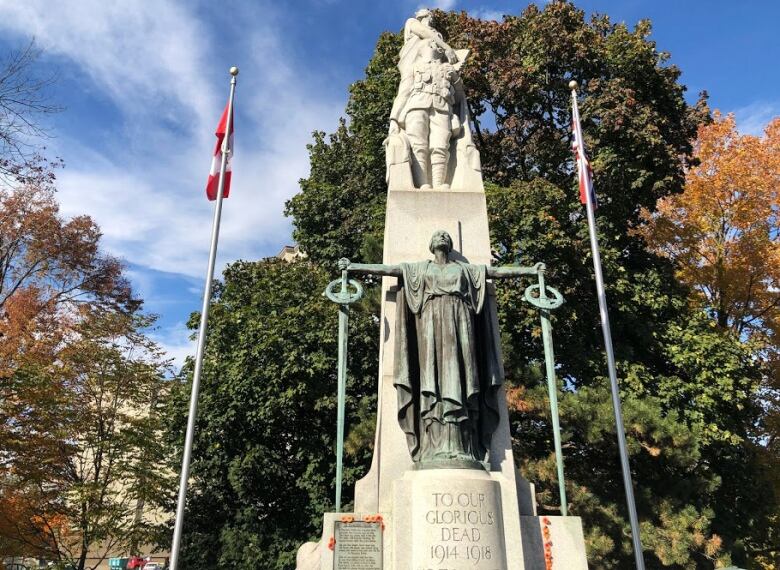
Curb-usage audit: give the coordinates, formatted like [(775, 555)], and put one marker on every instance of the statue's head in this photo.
[(440, 240), (424, 15)]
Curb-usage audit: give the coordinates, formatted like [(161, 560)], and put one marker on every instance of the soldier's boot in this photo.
[(420, 171), (439, 162)]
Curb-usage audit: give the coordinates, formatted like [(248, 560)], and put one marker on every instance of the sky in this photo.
[(143, 84)]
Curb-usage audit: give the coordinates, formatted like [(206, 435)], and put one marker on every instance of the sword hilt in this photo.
[(542, 300), (344, 296)]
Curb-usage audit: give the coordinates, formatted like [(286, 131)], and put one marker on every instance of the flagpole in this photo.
[(621, 435), (204, 315)]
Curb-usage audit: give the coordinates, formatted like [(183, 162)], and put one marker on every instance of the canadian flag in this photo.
[(584, 172), (212, 186)]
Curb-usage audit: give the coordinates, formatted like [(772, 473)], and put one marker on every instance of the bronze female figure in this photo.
[(447, 355)]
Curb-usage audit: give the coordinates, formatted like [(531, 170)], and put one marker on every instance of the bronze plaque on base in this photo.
[(358, 546)]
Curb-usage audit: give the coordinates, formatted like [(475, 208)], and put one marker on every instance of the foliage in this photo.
[(264, 459), (723, 232), (76, 485), (50, 270), (79, 385), (84, 494), (678, 369)]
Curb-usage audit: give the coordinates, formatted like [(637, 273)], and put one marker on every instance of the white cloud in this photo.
[(487, 14), (134, 53), (146, 187), (753, 119)]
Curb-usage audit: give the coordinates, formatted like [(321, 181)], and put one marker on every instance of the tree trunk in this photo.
[(83, 557)]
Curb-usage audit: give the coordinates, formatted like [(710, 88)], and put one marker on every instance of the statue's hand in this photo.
[(452, 57), (394, 128), (343, 263)]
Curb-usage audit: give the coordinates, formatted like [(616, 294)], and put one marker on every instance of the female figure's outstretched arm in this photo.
[(370, 268), (514, 271)]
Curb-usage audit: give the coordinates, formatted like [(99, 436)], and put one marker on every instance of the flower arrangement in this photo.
[(377, 518), (548, 557)]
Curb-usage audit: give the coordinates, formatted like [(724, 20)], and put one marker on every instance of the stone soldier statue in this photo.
[(430, 111)]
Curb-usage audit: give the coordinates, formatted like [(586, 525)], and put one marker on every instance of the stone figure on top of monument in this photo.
[(429, 145), (447, 355)]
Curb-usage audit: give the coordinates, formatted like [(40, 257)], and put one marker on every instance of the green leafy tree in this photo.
[(264, 461), (80, 382), (77, 380)]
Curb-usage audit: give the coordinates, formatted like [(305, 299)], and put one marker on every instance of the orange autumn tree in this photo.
[(58, 290), (51, 272), (723, 231)]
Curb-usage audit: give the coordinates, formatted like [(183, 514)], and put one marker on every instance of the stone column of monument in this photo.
[(427, 507)]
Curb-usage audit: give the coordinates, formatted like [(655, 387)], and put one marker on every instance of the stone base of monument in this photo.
[(558, 539), (447, 519), (452, 518)]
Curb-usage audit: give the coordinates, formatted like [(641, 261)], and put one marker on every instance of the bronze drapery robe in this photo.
[(447, 361)]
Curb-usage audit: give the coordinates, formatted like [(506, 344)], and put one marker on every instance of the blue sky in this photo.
[(144, 83)]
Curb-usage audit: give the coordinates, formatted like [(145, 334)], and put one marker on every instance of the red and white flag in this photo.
[(584, 172), (212, 186)]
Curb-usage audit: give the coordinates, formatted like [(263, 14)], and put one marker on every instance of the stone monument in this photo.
[(443, 491)]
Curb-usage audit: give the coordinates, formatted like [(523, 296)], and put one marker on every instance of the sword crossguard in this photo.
[(344, 296), (541, 300)]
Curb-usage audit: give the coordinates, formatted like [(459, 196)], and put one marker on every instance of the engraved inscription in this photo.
[(458, 528), (460, 520), (358, 546)]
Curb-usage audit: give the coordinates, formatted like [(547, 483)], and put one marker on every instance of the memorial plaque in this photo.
[(358, 546)]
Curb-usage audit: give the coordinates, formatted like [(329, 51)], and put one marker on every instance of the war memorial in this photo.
[(443, 491)]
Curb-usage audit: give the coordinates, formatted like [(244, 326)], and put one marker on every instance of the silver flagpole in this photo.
[(621, 435), (204, 315)]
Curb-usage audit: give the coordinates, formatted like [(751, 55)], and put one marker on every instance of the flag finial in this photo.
[(573, 85), (234, 71)]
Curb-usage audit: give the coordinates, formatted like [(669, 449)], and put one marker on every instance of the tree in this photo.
[(264, 456), (79, 499), (23, 100), (73, 365), (690, 389), (723, 232), (79, 381), (51, 272)]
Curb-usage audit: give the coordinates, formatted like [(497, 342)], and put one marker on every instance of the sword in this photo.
[(545, 305), (344, 299)]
